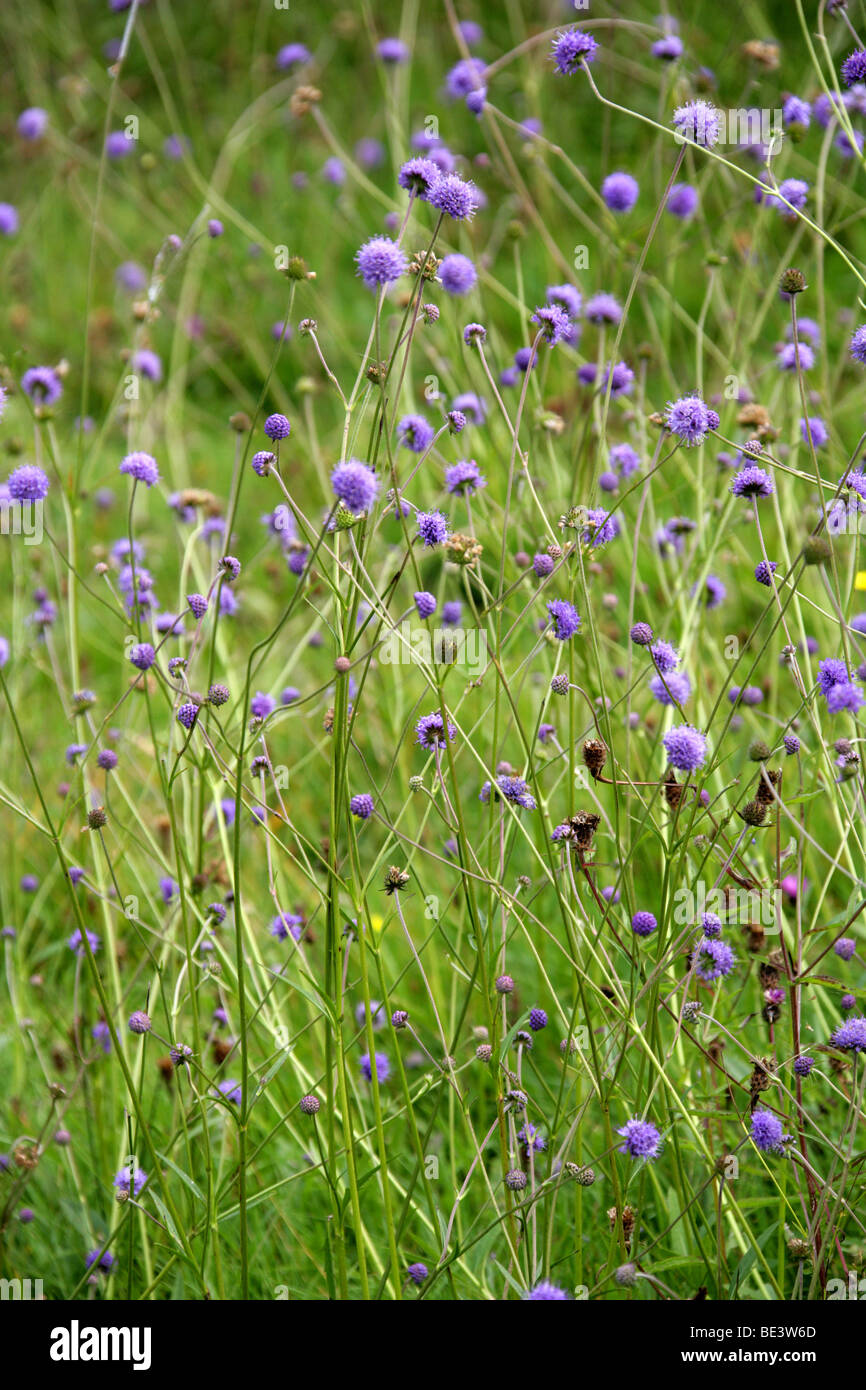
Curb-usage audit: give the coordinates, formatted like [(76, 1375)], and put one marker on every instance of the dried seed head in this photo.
[(754, 813), (792, 281), (594, 756), (395, 879)]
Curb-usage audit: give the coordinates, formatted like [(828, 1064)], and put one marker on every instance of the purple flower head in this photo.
[(417, 1272), (803, 1065), (796, 112), (850, 1036), (381, 262), (277, 427), (509, 788), (362, 806), (565, 617), (457, 274), (432, 528), (458, 198), (8, 219), (567, 297), (853, 69), (430, 733), (603, 308), (418, 175), (668, 49), (543, 565), (792, 355), (571, 49), (76, 942), (124, 1178), (845, 947), (620, 192), (698, 122), (118, 144), (42, 385), (767, 1132), (425, 603), (261, 705), (665, 657), (415, 433), (287, 924), (689, 419), (392, 51), (27, 483), (673, 689), (383, 1066), (752, 481), (602, 527), (712, 591), (142, 467), (32, 123), (682, 201), (713, 960), (546, 1290), (845, 695), (465, 77), (764, 571), (858, 344), (643, 924), (642, 1139), (642, 634), (686, 747), (355, 485), (464, 478)]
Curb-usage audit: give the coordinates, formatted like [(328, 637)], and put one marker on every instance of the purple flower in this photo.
[(546, 1290), (689, 419), (642, 634), (415, 433), (698, 122), (362, 806), (850, 1036), (261, 705), (686, 747), (142, 467), (665, 657), (844, 695), (669, 48), (137, 1178), (642, 1139), (355, 485), (620, 192), (142, 655), (796, 112), (571, 49), (432, 528), (767, 1132), (643, 924), (845, 947), (118, 144), (277, 427), (853, 69), (602, 527), (392, 51), (8, 219), (425, 603), (713, 591), (383, 1066), (381, 262), (682, 201), (418, 175), (430, 734), (417, 1273), (603, 308), (553, 322), (292, 54), (27, 483), (464, 477), (673, 689), (858, 344), (513, 789), (764, 571), (714, 959), (287, 924), (803, 1065), (42, 385), (458, 198), (465, 77), (566, 619), (457, 274), (752, 481), (230, 1091), (76, 942), (792, 355)]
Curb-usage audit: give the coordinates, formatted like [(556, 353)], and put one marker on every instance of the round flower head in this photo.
[(767, 1132), (553, 323), (853, 69), (392, 51), (603, 308), (432, 528), (686, 747), (796, 112), (457, 274), (124, 1179), (791, 744), (673, 689), (458, 198), (464, 477), (383, 1066), (712, 591), (188, 714), (682, 201), (543, 565), (8, 219), (142, 467), (291, 55), (537, 1019), (858, 344), (566, 619), (277, 427), (642, 634), (792, 355), (418, 175), (571, 49), (845, 695), (711, 925), (665, 657), (362, 806), (415, 433), (620, 192), (764, 571), (425, 603), (643, 924), (845, 947), (513, 789), (851, 1035), (32, 123), (546, 1290), (142, 655), (698, 122), (417, 1273), (752, 481), (139, 1022), (642, 1139), (793, 194), (803, 1065), (689, 419), (261, 462), (380, 262), (287, 924), (118, 144), (602, 527), (42, 385), (27, 483), (430, 733), (355, 485), (714, 959), (465, 77), (567, 297)]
